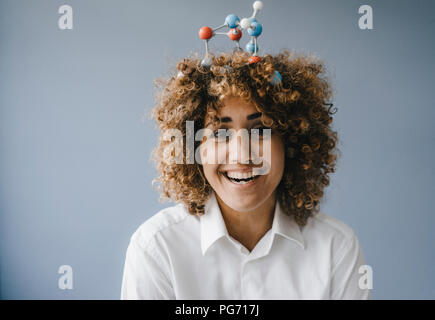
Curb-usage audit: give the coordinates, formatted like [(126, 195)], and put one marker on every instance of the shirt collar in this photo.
[(213, 225), (286, 226)]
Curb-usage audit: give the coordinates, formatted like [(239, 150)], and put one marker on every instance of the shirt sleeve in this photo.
[(144, 277), (345, 278)]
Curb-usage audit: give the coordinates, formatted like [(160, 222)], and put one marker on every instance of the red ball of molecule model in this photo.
[(254, 59), (205, 33), (235, 34)]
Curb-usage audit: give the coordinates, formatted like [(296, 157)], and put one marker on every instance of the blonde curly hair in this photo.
[(297, 108)]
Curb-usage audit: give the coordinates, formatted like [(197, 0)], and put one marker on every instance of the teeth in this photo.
[(240, 182), (240, 175)]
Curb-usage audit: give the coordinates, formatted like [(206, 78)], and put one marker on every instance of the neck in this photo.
[(250, 226)]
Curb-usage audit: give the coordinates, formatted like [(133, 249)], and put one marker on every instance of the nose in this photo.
[(238, 147)]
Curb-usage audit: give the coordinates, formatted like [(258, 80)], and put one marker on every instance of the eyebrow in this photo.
[(249, 117), (254, 116)]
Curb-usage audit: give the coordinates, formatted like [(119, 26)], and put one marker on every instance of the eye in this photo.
[(261, 131), (220, 134)]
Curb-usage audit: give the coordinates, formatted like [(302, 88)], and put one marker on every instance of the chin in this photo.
[(242, 203)]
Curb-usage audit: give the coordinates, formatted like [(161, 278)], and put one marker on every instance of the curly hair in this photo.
[(297, 108)]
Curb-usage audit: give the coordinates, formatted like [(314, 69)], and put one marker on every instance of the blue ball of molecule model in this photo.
[(276, 78), (250, 47), (255, 29), (232, 21)]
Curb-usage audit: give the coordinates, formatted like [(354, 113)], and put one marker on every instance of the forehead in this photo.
[(234, 110), (231, 105)]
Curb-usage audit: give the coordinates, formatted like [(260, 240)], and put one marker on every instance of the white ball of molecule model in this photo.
[(245, 23), (207, 61), (258, 5)]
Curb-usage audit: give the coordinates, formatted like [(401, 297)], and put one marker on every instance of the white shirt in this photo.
[(176, 255)]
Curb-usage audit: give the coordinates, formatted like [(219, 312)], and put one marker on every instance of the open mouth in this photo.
[(240, 178)]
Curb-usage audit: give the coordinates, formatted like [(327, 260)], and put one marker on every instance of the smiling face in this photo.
[(234, 176)]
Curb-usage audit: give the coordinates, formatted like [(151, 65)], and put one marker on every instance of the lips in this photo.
[(240, 177)]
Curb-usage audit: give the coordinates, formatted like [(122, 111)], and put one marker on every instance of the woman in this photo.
[(247, 224)]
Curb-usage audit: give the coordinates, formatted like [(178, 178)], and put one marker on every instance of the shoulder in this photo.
[(327, 226), (164, 220), (331, 238), (328, 233)]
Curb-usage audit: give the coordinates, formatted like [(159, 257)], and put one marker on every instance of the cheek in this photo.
[(208, 172), (208, 166), (277, 157)]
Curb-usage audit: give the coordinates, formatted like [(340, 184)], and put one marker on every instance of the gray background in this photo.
[(75, 175)]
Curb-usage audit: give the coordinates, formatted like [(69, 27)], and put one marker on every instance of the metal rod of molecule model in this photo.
[(251, 25)]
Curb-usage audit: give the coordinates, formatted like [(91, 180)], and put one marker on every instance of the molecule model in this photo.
[(233, 22)]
